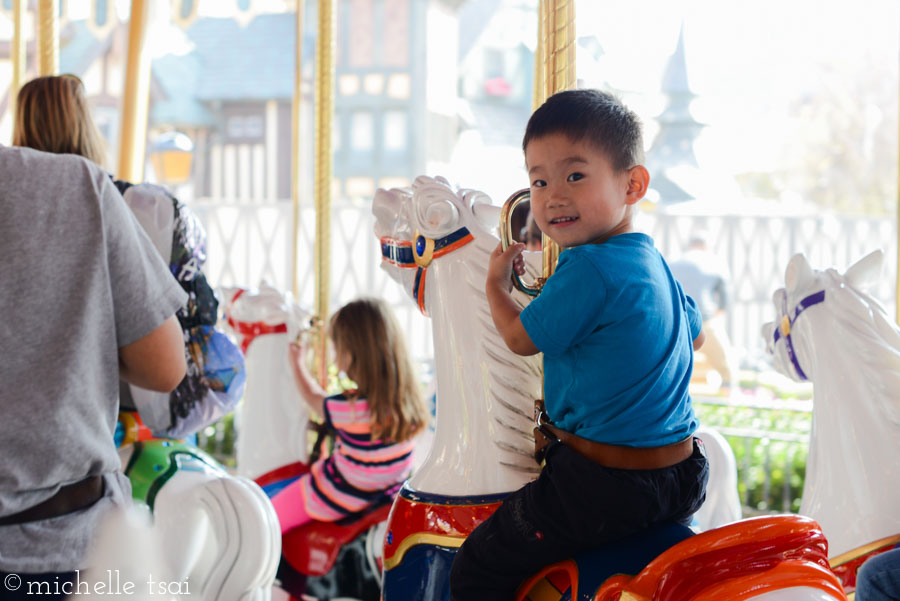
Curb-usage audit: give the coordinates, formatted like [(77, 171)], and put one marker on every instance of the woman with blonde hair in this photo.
[(52, 115)]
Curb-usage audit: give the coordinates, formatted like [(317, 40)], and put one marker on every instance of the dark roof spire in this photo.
[(674, 144)]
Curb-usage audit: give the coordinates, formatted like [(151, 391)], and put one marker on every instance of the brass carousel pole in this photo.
[(295, 146), (48, 37), (17, 52), (136, 97), (556, 61), (324, 103), (537, 93)]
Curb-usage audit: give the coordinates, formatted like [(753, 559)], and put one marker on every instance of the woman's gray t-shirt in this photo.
[(79, 279)]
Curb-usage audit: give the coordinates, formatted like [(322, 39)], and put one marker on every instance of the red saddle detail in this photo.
[(291, 470), (313, 548)]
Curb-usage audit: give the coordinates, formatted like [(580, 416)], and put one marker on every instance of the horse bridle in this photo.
[(250, 330), (404, 253), (784, 327)]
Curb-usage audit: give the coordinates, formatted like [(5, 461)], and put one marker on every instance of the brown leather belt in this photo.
[(608, 455), (67, 499)]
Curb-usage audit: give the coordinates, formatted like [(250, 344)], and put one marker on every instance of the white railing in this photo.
[(248, 243), (251, 242), (757, 249)]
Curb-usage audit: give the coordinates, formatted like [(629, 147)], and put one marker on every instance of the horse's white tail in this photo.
[(722, 505), (217, 540), (128, 550), (241, 552)]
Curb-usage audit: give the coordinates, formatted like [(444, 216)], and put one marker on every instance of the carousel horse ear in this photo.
[(866, 272), (798, 272), (487, 215), (386, 208), (778, 298), (423, 181)]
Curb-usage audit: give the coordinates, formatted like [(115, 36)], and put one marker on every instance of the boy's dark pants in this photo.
[(574, 505)]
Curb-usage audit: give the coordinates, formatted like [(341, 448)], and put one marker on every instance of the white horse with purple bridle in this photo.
[(831, 331)]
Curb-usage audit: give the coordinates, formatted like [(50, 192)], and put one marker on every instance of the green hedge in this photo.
[(784, 460)]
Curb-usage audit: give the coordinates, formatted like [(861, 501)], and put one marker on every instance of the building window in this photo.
[(398, 86), (395, 130), (395, 34), (348, 84), (245, 127), (362, 131)]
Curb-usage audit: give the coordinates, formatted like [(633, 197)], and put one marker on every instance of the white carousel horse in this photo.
[(488, 417), (272, 422), (219, 533), (435, 242), (832, 332)]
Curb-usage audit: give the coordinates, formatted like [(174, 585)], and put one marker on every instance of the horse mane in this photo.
[(869, 336), (512, 373)]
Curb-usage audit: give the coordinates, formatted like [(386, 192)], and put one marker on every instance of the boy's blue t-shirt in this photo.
[(617, 335)]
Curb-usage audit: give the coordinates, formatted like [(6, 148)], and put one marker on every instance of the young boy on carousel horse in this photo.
[(617, 333)]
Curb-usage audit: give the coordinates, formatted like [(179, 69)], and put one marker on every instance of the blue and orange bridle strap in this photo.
[(419, 254)]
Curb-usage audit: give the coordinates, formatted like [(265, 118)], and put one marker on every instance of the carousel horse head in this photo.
[(830, 331), (432, 219), (265, 310)]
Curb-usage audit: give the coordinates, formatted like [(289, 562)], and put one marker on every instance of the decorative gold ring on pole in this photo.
[(324, 113), (48, 37)]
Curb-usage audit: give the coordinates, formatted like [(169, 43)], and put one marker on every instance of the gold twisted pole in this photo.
[(136, 97), (48, 37), (18, 53), (324, 102), (295, 146), (537, 92), (557, 68)]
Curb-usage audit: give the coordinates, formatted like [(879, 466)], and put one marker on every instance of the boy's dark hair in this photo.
[(599, 118)]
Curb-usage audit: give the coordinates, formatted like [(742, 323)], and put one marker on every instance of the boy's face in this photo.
[(576, 195)]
